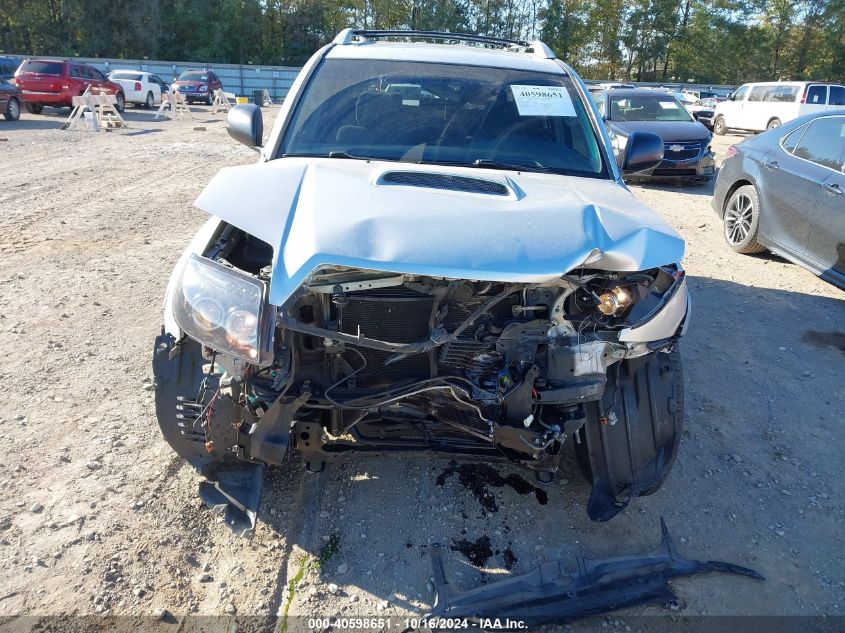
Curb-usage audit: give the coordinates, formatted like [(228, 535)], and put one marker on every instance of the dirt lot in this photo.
[(97, 515)]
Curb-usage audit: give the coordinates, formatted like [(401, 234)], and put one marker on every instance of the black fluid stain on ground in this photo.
[(478, 478), (509, 558), (825, 339), (478, 552)]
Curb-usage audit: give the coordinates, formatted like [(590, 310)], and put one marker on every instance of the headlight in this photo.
[(225, 310), (625, 299), (203, 88)]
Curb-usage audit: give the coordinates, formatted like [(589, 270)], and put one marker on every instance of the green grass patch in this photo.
[(306, 564)]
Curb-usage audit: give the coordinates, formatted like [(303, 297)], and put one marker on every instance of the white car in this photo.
[(764, 106), (140, 88)]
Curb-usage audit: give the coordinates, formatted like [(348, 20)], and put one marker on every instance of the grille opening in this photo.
[(444, 181)]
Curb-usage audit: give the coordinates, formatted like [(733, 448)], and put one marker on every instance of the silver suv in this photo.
[(436, 254)]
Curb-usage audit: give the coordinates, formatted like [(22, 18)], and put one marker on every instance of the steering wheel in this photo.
[(510, 132)]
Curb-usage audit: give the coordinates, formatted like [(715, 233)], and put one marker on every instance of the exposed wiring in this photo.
[(344, 379), (472, 405), (583, 287), (402, 395), (204, 383)]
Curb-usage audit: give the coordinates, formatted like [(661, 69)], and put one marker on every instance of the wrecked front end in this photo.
[(364, 362)]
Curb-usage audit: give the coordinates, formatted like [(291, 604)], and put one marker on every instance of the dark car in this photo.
[(687, 154), (48, 82), (198, 85), (10, 101), (783, 191), (8, 66), (704, 110)]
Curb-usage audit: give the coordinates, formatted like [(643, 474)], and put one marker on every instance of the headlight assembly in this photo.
[(623, 300), (225, 310)]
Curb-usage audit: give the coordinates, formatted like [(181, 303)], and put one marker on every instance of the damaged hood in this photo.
[(532, 229)]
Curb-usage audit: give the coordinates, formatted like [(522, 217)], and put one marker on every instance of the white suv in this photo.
[(435, 254), (763, 106)]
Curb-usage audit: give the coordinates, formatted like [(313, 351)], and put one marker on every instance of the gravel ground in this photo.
[(98, 516)]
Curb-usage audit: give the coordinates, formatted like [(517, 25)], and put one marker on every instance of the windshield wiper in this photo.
[(485, 163), (332, 154)]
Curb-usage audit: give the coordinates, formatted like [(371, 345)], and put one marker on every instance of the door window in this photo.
[(758, 93), (817, 95), (837, 96), (77, 71), (824, 142), (782, 94), (791, 140), (96, 75), (739, 95)]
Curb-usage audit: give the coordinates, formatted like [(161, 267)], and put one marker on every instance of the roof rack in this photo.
[(539, 49)]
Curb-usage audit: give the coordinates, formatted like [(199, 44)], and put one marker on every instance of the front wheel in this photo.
[(774, 123), (741, 221), (149, 102), (120, 102), (209, 100), (630, 441), (719, 126), (13, 110), (34, 108)]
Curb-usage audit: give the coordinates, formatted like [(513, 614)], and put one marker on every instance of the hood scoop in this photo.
[(449, 182)]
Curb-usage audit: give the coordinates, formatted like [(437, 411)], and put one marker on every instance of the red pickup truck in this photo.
[(55, 83)]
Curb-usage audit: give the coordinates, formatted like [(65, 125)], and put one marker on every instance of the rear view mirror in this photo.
[(245, 124), (644, 151)]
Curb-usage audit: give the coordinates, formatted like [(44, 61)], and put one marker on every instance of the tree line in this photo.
[(703, 41)]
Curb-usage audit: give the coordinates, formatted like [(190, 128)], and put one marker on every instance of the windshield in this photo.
[(422, 112), (647, 108), (193, 76)]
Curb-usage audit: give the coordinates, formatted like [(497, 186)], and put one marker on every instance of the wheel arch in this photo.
[(732, 189), (629, 443)]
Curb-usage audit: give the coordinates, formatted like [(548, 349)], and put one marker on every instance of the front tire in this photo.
[(149, 102), (34, 108), (120, 102), (209, 100), (719, 126), (741, 221), (13, 110), (634, 455)]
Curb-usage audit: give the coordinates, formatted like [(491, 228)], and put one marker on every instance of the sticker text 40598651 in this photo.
[(542, 100)]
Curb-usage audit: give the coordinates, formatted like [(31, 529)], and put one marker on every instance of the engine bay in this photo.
[(373, 361)]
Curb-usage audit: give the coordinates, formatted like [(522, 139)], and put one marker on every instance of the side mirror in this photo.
[(644, 151), (245, 124)]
